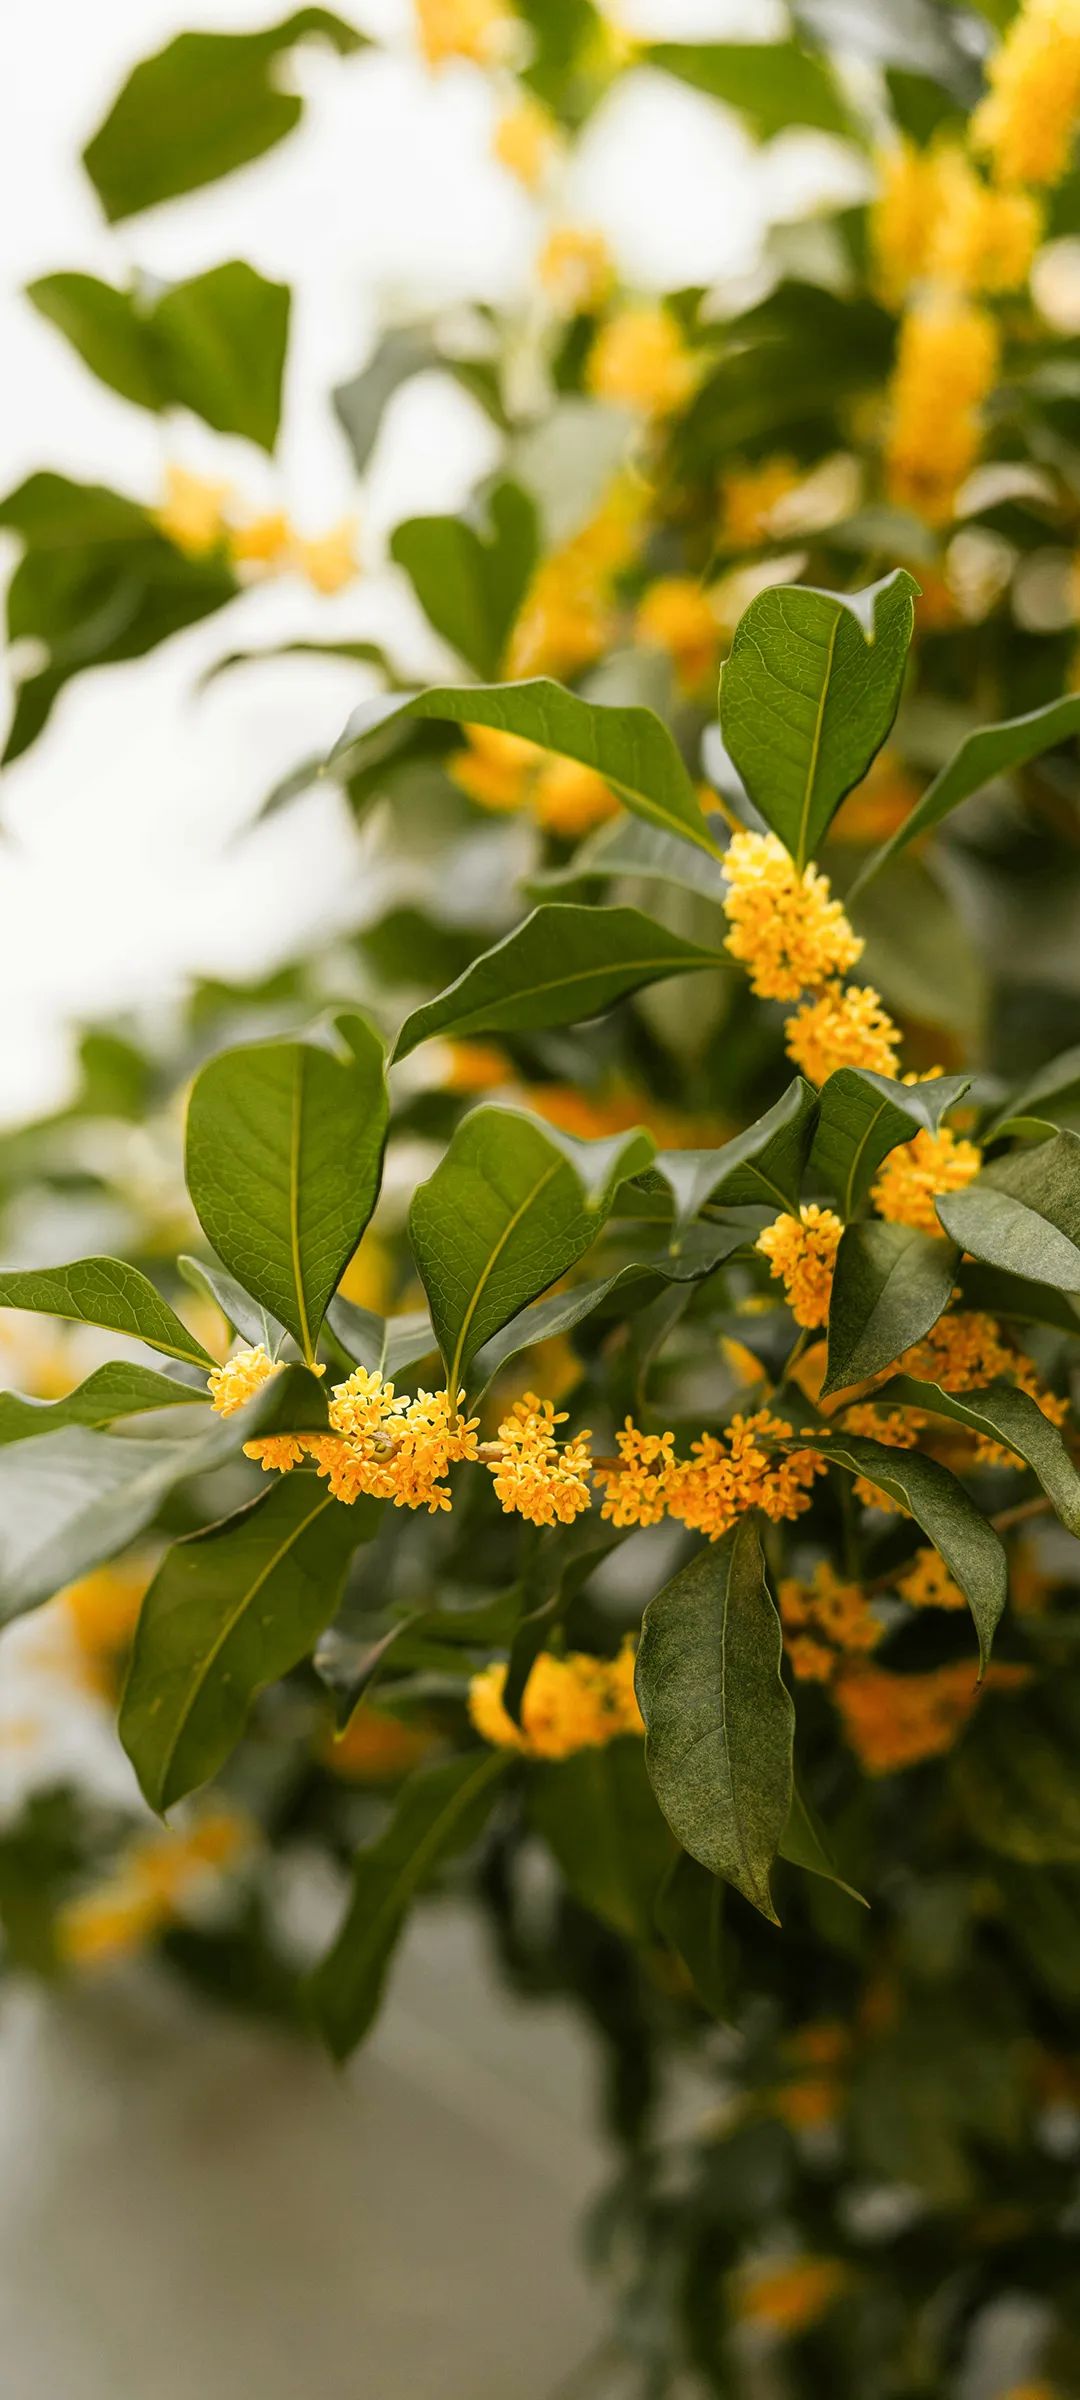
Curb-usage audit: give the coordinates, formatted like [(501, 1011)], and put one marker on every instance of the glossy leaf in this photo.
[(775, 85), (808, 696), (719, 1721), (992, 750), (113, 1391), (506, 1212), (104, 1291), (1023, 1213), (77, 1497), (764, 1164), (471, 579), (439, 1812), (561, 965), (597, 1814), (890, 1285), (284, 1156), (950, 1520), (206, 103), (629, 747), (863, 1116), (229, 1611), (1003, 1413)]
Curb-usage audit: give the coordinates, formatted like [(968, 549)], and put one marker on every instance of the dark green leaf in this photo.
[(76, 1498), (950, 1520), (229, 1611), (629, 747), (719, 1720), (561, 965), (470, 579), (597, 1814), (863, 1116), (1052, 1093), (1004, 1414), (439, 1812), (284, 1156), (764, 1164), (1015, 1777), (117, 1390), (890, 1285), (803, 1845), (1003, 1295), (221, 340), (108, 331), (774, 85), (205, 104), (1023, 1213), (507, 1211), (991, 751), (808, 696), (104, 1291), (690, 1915)]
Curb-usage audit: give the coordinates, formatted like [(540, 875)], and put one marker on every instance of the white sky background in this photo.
[(120, 873)]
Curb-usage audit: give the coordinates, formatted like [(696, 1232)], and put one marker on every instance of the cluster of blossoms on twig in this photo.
[(572, 1703)]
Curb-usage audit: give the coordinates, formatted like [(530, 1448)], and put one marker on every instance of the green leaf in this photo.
[(104, 1291), (471, 579), (107, 330), (561, 965), (690, 1915), (1004, 1414), (766, 1163), (1013, 1296), (1015, 1776), (719, 1722), (628, 846), (1052, 1093), (545, 1319), (76, 1498), (950, 1520), (863, 1116), (1023, 1213), (439, 1812), (383, 1344), (284, 1156), (244, 1314), (890, 1285), (405, 351), (802, 1844), (205, 104), (597, 1814), (630, 747), (229, 1611), (221, 339), (808, 696), (774, 85), (116, 1390), (991, 751), (506, 1212)]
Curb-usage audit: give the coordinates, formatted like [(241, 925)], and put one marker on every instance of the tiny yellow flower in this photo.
[(946, 367), (474, 29), (916, 1171), (192, 513), (846, 1026), (262, 542), (533, 1477), (1028, 122), (640, 361), (786, 926), (525, 141), (569, 1704), (675, 615), (239, 1379), (576, 270), (330, 561), (802, 1251)]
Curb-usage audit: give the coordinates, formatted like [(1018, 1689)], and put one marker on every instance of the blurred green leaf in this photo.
[(1015, 1776), (76, 1498), (206, 103), (890, 1284), (403, 352), (597, 1814), (471, 578), (863, 1116), (440, 1811), (938, 1502), (104, 1291), (107, 329), (116, 1390), (385, 1344), (774, 85), (802, 1844), (690, 1915), (237, 1306), (992, 750), (229, 1611), (561, 965), (808, 696), (1023, 1213), (545, 1319), (215, 344), (284, 1157), (719, 1720)]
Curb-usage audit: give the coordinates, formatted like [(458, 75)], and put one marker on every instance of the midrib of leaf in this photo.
[(250, 1593), (853, 1170), (294, 1205), (488, 1270), (815, 748), (558, 983)]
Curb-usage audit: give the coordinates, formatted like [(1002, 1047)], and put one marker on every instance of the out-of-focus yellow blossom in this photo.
[(567, 618), (533, 1477), (640, 361), (264, 541), (912, 1173), (749, 497), (476, 1067), (802, 1251), (882, 803), (569, 799), (475, 29), (525, 140), (928, 1583), (576, 270), (946, 367), (193, 512), (329, 561), (676, 615), (963, 1352), (102, 1610), (232, 1385), (375, 1747), (786, 927), (901, 219), (788, 2299), (149, 1888), (846, 1026), (809, 2099), (571, 1703), (935, 219), (823, 1621), (893, 1721), (495, 769), (635, 1492), (1028, 121), (895, 1429)]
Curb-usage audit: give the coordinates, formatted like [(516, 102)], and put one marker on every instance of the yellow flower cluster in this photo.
[(946, 367), (1028, 122), (149, 1888), (640, 361), (789, 2299), (935, 220), (915, 1171), (567, 618), (928, 1583), (534, 1478), (802, 1251), (786, 926), (711, 1489), (473, 29), (636, 1490), (675, 615), (196, 516), (576, 270), (750, 498), (525, 140), (846, 1026), (230, 1387), (824, 1620), (893, 1721), (571, 1703), (500, 771)]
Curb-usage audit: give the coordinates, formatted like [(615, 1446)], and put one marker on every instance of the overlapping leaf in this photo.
[(950, 1520), (1023, 1213), (890, 1285), (104, 1291), (863, 1116), (562, 964)]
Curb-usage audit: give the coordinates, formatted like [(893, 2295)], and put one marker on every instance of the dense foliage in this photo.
[(616, 1409)]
